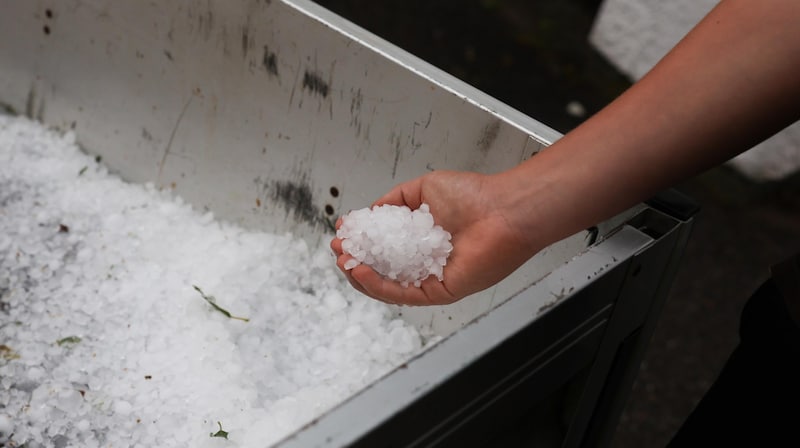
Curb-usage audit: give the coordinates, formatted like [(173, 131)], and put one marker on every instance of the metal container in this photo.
[(279, 116)]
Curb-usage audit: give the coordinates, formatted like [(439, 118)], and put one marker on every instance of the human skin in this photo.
[(732, 82)]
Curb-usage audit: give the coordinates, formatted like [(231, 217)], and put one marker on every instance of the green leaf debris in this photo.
[(68, 340), (220, 433), (7, 353), (213, 302)]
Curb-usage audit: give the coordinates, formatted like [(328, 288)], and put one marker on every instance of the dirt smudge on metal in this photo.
[(488, 136), (270, 61), (295, 197), (356, 100), (245, 40), (313, 82)]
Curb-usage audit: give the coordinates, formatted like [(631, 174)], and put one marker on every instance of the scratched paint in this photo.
[(356, 101)]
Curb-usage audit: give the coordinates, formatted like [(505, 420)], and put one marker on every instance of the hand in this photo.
[(486, 246)]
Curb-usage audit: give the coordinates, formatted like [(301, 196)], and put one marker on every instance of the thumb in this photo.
[(407, 193)]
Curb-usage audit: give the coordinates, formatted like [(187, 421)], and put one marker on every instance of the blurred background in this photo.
[(535, 55)]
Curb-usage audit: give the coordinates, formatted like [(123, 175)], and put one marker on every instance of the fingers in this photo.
[(336, 246), (431, 291), (340, 262), (368, 282), (385, 290)]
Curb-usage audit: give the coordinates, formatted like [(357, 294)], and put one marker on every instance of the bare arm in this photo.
[(732, 82)]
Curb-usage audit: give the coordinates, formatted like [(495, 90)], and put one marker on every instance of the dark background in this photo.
[(534, 55)]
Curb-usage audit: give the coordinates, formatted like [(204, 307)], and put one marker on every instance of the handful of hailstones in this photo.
[(398, 243)]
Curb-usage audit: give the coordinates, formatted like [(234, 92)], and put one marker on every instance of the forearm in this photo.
[(732, 82)]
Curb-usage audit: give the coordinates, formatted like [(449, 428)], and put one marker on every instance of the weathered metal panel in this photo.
[(276, 115)]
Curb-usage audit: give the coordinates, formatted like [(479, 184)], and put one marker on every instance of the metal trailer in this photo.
[(278, 115)]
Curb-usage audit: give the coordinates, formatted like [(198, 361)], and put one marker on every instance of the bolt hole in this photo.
[(48, 13), (46, 29), (329, 209), (334, 192)]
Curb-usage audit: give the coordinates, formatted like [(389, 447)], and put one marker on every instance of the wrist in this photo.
[(522, 203)]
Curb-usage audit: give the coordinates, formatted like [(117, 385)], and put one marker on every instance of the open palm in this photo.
[(486, 248)]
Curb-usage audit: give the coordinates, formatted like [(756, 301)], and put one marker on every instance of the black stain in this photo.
[(355, 103), (30, 102), (489, 135), (396, 140), (270, 61), (8, 109), (315, 83), (355, 110), (591, 235), (415, 143), (297, 199), (168, 55), (245, 39)]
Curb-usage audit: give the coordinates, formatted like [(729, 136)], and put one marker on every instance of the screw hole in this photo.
[(48, 13), (334, 192), (46, 29), (329, 209)]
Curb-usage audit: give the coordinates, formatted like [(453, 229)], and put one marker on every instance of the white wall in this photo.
[(634, 34)]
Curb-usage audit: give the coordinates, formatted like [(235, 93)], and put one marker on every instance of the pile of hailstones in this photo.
[(398, 243)]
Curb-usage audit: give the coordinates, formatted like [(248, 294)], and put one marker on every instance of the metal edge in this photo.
[(347, 422), (538, 130)]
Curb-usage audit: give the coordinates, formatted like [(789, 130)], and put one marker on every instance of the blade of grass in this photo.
[(212, 301), (220, 433), (68, 340)]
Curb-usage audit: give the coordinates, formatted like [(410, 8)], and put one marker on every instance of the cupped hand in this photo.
[(487, 247)]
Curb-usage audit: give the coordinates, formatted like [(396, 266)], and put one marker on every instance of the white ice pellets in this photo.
[(104, 341), (398, 243)]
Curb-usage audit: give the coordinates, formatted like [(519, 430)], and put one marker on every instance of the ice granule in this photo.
[(398, 243)]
